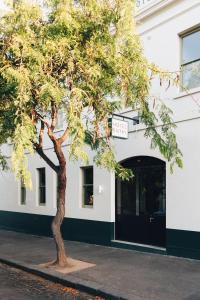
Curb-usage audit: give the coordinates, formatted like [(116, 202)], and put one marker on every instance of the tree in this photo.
[(82, 57)]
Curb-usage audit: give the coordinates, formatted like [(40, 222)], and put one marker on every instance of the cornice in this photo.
[(151, 8)]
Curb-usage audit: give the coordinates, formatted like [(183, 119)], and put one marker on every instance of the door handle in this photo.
[(151, 219)]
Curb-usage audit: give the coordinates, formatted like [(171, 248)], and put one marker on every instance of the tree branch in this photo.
[(54, 115), (41, 135), (33, 116), (49, 129), (45, 157), (51, 135), (42, 119), (64, 136)]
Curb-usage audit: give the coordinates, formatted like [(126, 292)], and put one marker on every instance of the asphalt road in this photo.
[(18, 285)]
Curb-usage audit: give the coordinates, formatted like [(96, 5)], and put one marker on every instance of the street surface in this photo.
[(131, 275), (18, 285)]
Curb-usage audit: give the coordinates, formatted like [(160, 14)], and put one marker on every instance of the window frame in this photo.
[(39, 186), (84, 185), (182, 65)]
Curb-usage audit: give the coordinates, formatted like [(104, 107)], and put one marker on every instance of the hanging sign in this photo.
[(119, 128)]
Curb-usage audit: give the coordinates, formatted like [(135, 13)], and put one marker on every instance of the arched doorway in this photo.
[(141, 202)]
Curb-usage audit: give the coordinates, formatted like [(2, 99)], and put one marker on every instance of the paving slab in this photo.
[(117, 274)]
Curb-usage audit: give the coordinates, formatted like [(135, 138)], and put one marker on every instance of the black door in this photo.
[(140, 203)]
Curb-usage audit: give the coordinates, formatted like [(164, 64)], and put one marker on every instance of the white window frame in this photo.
[(182, 65)]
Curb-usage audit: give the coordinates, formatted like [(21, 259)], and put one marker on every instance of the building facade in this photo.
[(157, 211)]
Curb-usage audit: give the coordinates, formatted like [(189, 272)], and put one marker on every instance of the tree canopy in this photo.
[(81, 56)]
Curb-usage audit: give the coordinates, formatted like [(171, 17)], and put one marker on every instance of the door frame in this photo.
[(125, 162)]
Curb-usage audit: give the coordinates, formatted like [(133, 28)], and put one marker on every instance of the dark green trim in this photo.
[(183, 243), (178, 242), (27, 223), (96, 232)]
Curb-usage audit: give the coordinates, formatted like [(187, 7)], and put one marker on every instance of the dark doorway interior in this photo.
[(140, 203)]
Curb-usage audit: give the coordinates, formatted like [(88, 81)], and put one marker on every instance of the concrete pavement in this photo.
[(118, 273)]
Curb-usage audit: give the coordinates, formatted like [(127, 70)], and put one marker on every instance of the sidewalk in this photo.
[(118, 273)]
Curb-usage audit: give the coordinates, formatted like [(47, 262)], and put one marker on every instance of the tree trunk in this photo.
[(60, 214)]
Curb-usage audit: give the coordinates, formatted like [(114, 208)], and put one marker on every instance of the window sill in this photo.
[(87, 206), (188, 93)]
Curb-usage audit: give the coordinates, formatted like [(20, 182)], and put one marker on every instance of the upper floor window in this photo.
[(41, 186), (61, 121), (191, 60), (87, 176)]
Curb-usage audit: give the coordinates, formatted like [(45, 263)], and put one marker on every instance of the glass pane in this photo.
[(152, 191), (128, 197), (42, 177), (191, 75), (191, 47), (42, 195), (88, 195), (88, 175), (60, 121), (23, 195)]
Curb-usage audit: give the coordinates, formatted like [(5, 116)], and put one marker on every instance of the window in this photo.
[(87, 174), (191, 60), (60, 121), (41, 186), (23, 193)]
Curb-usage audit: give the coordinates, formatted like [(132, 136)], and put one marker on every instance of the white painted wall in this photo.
[(10, 191), (160, 32), (160, 36), (182, 187)]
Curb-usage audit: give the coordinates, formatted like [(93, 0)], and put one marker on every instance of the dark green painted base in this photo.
[(72, 229), (183, 243), (179, 242)]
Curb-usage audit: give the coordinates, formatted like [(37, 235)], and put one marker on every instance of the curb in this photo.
[(73, 283)]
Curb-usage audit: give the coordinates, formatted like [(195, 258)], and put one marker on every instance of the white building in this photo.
[(158, 211)]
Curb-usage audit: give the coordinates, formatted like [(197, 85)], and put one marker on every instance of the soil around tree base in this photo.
[(73, 265)]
